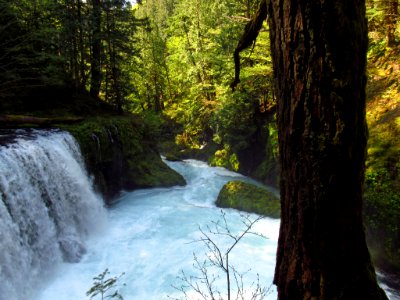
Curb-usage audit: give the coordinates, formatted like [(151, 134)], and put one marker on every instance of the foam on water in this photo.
[(47, 209), (150, 239)]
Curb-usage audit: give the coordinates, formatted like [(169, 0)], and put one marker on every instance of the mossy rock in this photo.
[(121, 155), (151, 172), (249, 198)]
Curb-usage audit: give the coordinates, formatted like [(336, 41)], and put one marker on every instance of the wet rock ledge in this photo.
[(120, 153)]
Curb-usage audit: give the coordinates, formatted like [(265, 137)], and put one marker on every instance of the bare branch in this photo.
[(250, 34), (204, 283)]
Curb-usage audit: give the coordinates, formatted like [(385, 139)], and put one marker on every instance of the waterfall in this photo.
[(47, 208)]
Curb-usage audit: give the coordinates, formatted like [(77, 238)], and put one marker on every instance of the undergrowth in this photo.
[(382, 189)]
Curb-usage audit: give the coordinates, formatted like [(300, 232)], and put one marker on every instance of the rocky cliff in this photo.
[(120, 154)]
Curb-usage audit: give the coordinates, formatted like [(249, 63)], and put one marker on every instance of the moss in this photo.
[(120, 154), (250, 198), (152, 172), (267, 172), (382, 220)]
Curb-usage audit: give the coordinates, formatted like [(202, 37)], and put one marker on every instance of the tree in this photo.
[(96, 49), (156, 86), (10, 32), (74, 37), (382, 19), (63, 47), (119, 51), (249, 7), (29, 57), (392, 12), (322, 140), (320, 88)]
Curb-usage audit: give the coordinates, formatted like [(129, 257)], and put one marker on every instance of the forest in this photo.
[(170, 64)]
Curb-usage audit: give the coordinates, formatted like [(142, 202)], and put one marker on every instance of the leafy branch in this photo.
[(102, 286)]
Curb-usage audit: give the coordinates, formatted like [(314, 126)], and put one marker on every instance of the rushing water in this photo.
[(55, 235), (150, 238), (47, 209)]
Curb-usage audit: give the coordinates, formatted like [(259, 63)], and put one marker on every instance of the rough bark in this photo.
[(319, 55), (250, 34)]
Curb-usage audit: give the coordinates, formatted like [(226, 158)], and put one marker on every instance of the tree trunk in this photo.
[(392, 8), (96, 49), (157, 93), (81, 45), (319, 55), (112, 53)]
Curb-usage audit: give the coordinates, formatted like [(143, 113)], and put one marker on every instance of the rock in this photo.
[(121, 156), (249, 198), (151, 171)]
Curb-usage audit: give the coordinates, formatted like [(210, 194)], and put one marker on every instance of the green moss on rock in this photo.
[(152, 172), (121, 154), (250, 198)]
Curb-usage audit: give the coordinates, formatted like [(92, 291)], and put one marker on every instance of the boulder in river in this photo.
[(249, 198)]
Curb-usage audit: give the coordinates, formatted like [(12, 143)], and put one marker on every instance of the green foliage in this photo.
[(267, 170), (49, 44), (382, 197), (377, 49), (249, 198), (382, 21), (28, 58), (103, 286), (155, 87), (187, 62), (225, 158), (382, 178), (382, 218), (153, 124), (119, 25), (169, 56), (233, 122)]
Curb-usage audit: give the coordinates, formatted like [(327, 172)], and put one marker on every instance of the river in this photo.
[(151, 234), (56, 234)]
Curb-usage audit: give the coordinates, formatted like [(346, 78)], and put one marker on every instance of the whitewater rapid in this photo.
[(150, 238)]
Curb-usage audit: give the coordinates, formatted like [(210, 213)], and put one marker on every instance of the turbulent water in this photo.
[(150, 238), (47, 209), (55, 235)]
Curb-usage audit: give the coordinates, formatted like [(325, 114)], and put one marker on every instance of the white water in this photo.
[(47, 209), (149, 238), (49, 216)]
